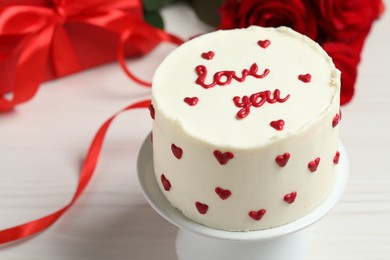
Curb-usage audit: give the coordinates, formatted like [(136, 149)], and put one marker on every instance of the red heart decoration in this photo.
[(165, 182), (278, 124), (191, 101), (208, 55), (336, 157), (151, 110), (282, 160), (257, 215), (336, 120), (314, 164), (290, 198), (305, 78), (177, 151), (202, 208), (264, 44), (222, 193), (223, 158)]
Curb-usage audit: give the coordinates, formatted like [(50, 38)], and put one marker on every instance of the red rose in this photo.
[(292, 13), (339, 26), (346, 60), (343, 20)]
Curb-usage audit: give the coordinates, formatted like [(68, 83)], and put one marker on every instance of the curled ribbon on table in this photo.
[(47, 39), (35, 226), (50, 39)]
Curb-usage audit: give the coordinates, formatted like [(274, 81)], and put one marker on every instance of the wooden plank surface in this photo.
[(42, 145)]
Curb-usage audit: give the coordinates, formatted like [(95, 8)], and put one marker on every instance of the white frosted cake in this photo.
[(245, 130)]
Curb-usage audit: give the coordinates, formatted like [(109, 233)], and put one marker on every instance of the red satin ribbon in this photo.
[(30, 35), (89, 165), (163, 36)]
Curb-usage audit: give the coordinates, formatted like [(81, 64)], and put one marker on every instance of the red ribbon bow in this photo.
[(35, 37)]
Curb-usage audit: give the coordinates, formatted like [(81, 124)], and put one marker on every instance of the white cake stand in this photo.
[(198, 242)]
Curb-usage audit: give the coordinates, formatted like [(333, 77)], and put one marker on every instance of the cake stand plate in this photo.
[(196, 241)]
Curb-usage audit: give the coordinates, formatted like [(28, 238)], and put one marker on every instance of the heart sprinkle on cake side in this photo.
[(165, 182), (277, 124), (151, 110), (313, 165), (202, 208), (336, 120), (336, 158), (223, 158), (257, 215), (264, 43), (177, 151), (290, 198), (222, 193), (282, 160)]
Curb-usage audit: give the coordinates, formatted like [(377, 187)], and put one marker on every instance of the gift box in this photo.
[(47, 39)]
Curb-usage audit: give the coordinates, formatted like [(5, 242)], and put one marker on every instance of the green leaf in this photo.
[(155, 5), (155, 19), (207, 12)]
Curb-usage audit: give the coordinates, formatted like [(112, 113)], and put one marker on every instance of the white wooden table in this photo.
[(43, 142)]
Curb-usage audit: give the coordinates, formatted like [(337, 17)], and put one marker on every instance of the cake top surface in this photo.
[(244, 88)]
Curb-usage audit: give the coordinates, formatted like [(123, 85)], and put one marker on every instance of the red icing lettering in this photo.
[(257, 215), (336, 157), (313, 165), (278, 124), (257, 100), (290, 198), (223, 158), (222, 193), (264, 43), (208, 55), (245, 103), (282, 160), (305, 78), (225, 77), (177, 151), (165, 182), (191, 101), (202, 208)]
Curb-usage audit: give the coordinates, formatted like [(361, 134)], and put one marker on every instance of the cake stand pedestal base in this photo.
[(198, 242), (192, 246)]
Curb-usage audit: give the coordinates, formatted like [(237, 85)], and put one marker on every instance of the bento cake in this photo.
[(245, 129)]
